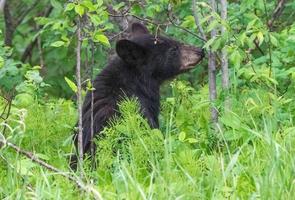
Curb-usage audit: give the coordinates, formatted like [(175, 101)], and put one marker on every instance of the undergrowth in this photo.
[(249, 157)]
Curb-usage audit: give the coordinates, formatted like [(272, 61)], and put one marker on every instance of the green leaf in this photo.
[(71, 84), (192, 140), (88, 4), (189, 22), (42, 20), (79, 10), (102, 39), (58, 44), (56, 4), (236, 58), (70, 6), (182, 136), (23, 100), (24, 167), (260, 37), (1, 62), (99, 3), (34, 76), (216, 44), (273, 40), (95, 20), (89, 86), (212, 25), (231, 120), (118, 6), (209, 43)]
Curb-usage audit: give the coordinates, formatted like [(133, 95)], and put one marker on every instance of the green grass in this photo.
[(251, 157)]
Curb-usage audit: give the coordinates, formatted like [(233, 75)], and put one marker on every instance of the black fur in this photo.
[(141, 65)]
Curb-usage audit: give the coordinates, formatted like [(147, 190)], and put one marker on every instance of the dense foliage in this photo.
[(250, 154)]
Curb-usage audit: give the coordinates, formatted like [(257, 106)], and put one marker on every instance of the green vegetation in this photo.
[(249, 156)]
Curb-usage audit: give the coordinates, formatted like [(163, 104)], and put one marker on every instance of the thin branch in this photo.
[(258, 47), (34, 158), (7, 114), (197, 20), (92, 150), (118, 34), (30, 47), (39, 44), (212, 72), (158, 23), (79, 96), (269, 42), (3, 111), (224, 57), (186, 30), (277, 12), (25, 13), (28, 51)]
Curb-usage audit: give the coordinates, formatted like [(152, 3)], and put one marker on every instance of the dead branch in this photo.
[(34, 158)]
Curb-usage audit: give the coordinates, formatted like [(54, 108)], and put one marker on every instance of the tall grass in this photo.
[(251, 157)]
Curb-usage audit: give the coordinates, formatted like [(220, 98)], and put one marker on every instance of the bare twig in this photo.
[(212, 72), (3, 111), (39, 44), (197, 20), (186, 30), (92, 105), (75, 180), (7, 114), (79, 96), (158, 23), (118, 34)]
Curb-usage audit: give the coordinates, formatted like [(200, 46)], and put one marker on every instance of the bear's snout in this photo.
[(190, 56)]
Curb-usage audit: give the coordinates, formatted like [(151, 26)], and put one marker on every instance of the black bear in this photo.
[(141, 65)]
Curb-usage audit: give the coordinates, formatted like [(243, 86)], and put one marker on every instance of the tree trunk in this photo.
[(212, 72)]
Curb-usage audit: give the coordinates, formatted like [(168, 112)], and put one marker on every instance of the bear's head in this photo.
[(157, 56)]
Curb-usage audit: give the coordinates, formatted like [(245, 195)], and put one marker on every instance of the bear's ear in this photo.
[(138, 29), (131, 52)]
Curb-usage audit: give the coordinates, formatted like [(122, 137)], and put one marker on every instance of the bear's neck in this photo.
[(123, 80)]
